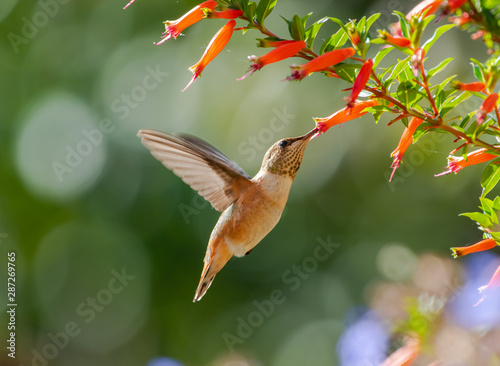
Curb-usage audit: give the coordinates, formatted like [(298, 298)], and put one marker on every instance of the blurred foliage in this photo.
[(109, 249)]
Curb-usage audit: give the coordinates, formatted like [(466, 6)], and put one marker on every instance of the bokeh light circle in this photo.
[(6, 7), (96, 277), (60, 149)]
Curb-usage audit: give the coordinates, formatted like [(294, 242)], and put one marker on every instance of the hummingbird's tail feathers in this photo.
[(215, 259)]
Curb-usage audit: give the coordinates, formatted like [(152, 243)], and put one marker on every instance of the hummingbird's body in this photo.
[(251, 206)]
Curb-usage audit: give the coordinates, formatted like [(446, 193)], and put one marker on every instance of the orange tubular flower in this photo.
[(320, 63), (494, 283), (455, 164), (343, 115), (476, 86), (474, 248), (478, 34), (425, 8), (353, 36), (218, 42), (488, 105), (226, 14), (405, 142), (395, 29), (455, 4), (461, 20), (282, 52), (405, 355), (360, 82), (395, 41), (174, 28)]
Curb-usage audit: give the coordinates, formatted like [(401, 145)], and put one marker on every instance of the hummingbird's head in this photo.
[(285, 156)]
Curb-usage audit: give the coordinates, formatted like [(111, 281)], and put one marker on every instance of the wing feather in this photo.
[(204, 168)]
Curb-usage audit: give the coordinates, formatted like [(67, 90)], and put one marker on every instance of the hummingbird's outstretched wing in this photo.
[(204, 168)]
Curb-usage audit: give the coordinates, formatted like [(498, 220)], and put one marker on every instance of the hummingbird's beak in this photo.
[(310, 135)]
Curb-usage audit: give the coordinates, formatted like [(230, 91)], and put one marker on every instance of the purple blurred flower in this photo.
[(164, 361), (479, 269), (364, 343)]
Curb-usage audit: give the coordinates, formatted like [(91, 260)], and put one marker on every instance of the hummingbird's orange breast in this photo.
[(256, 212)]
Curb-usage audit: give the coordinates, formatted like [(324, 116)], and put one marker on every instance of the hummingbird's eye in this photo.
[(283, 143)]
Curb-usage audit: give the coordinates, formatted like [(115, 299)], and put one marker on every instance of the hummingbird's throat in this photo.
[(287, 164)]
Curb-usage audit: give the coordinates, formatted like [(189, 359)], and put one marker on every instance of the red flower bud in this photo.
[(405, 142), (174, 28), (285, 51), (425, 8), (478, 247), (488, 105), (455, 4), (343, 115), (218, 42), (478, 34), (475, 86), (416, 60), (353, 36), (320, 63), (455, 164), (395, 41), (461, 20), (360, 82), (494, 283)]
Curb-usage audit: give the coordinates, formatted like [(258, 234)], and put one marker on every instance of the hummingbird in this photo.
[(251, 207)]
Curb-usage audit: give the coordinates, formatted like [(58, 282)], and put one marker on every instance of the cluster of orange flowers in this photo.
[(284, 49)]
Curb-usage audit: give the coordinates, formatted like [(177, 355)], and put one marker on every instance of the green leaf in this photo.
[(490, 4), (495, 235), (372, 19), (337, 40), (237, 4), (339, 22), (377, 111), (407, 93), (347, 71), (452, 102), (360, 27), (264, 8), (439, 68), (478, 217), (406, 75), (490, 177), (249, 10), (397, 69), (444, 83), (403, 23), (313, 30), (297, 27), (478, 70), (380, 56), (438, 33)]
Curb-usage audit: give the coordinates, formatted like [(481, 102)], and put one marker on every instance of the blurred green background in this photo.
[(109, 244)]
